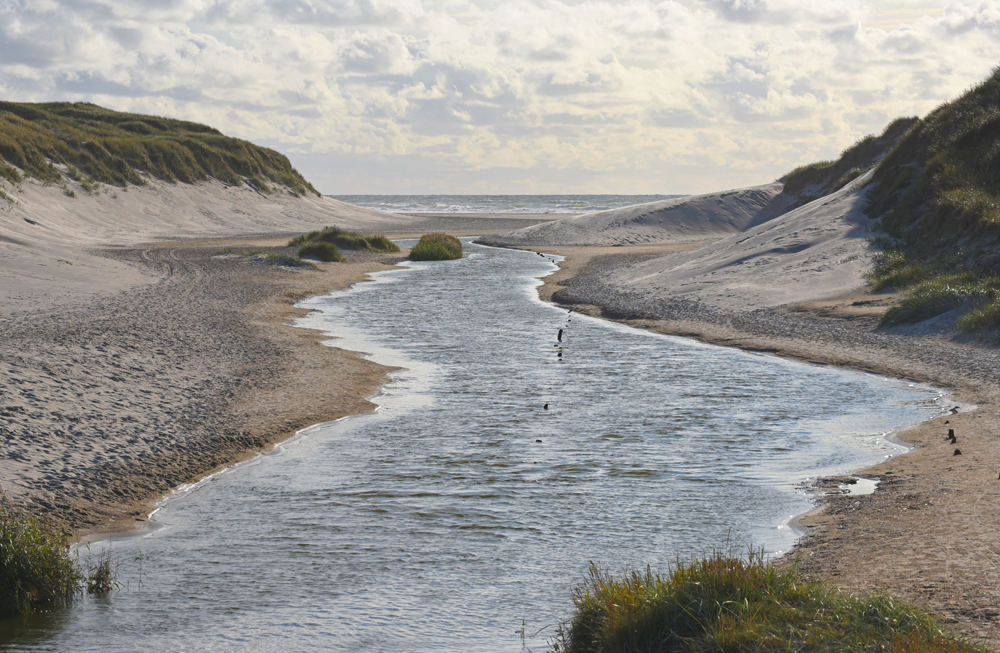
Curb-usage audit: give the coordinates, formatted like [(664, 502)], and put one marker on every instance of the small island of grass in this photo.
[(436, 247)]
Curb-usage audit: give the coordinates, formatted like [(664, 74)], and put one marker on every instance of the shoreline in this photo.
[(929, 506), (175, 369)]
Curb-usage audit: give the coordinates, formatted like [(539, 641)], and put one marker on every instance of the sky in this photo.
[(511, 96)]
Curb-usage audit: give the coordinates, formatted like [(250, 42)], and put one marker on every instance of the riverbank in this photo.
[(162, 362), (927, 534)]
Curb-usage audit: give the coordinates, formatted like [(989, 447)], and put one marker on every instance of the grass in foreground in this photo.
[(344, 239), (436, 247), (725, 603), (36, 569)]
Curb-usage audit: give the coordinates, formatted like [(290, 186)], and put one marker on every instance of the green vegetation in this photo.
[(937, 206), (326, 252), (725, 603), (824, 177), (100, 145), (345, 240), (436, 247), (36, 569)]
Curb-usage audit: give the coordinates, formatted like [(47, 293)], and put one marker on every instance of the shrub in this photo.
[(346, 240), (35, 566), (436, 247), (726, 603), (326, 252)]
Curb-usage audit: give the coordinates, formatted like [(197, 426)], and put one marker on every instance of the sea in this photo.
[(518, 444), (528, 204)]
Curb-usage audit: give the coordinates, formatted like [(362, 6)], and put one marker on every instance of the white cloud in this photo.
[(560, 95)]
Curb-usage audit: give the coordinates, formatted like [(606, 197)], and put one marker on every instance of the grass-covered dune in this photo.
[(111, 147), (815, 180), (732, 604), (937, 206)]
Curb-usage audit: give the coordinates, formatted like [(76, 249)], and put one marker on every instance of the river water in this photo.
[(459, 516)]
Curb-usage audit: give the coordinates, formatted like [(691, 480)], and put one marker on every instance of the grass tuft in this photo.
[(346, 240), (36, 569), (726, 603), (436, 247), (326, 252)]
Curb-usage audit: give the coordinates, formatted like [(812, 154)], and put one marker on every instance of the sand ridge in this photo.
[(697, 218)]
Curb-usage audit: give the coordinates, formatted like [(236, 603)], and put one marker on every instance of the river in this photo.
[(501, 462)]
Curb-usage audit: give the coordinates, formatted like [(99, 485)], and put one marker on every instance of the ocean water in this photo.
[(497, 203), (503, 460)]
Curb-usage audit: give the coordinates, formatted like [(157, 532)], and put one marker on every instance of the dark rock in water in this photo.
[(958, 452), (537, 440), (559, 337), (546, 406)]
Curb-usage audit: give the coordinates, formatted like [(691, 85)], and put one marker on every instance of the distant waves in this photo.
[(497, 203)]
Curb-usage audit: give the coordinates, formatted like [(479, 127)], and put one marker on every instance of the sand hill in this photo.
[(698, 218), (812, 252), (48, 237)]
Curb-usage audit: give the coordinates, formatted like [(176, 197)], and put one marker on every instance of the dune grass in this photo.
[(36, 569), (823, 177), (732, 604), (326, 252), (346, 240), (937, 206), (111, 147), (436, 247)]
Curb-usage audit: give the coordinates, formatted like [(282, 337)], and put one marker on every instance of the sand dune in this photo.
[(47, 236), (685, 219), (812, 252)]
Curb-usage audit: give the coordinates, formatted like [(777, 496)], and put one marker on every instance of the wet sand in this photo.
[(928, 534)]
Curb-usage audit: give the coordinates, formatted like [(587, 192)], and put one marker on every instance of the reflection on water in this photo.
[(464, 505)]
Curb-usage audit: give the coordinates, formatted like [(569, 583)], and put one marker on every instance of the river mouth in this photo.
[(502, 461)]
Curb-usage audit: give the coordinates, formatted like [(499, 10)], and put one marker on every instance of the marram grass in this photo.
[(937, 211), (100, 145), (436, 247), (344, 239), (326, 252), (732, 604)]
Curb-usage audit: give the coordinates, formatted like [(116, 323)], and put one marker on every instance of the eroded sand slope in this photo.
[(685, 219)]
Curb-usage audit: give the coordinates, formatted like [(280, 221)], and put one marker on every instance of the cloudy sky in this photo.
[(511, 96)]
